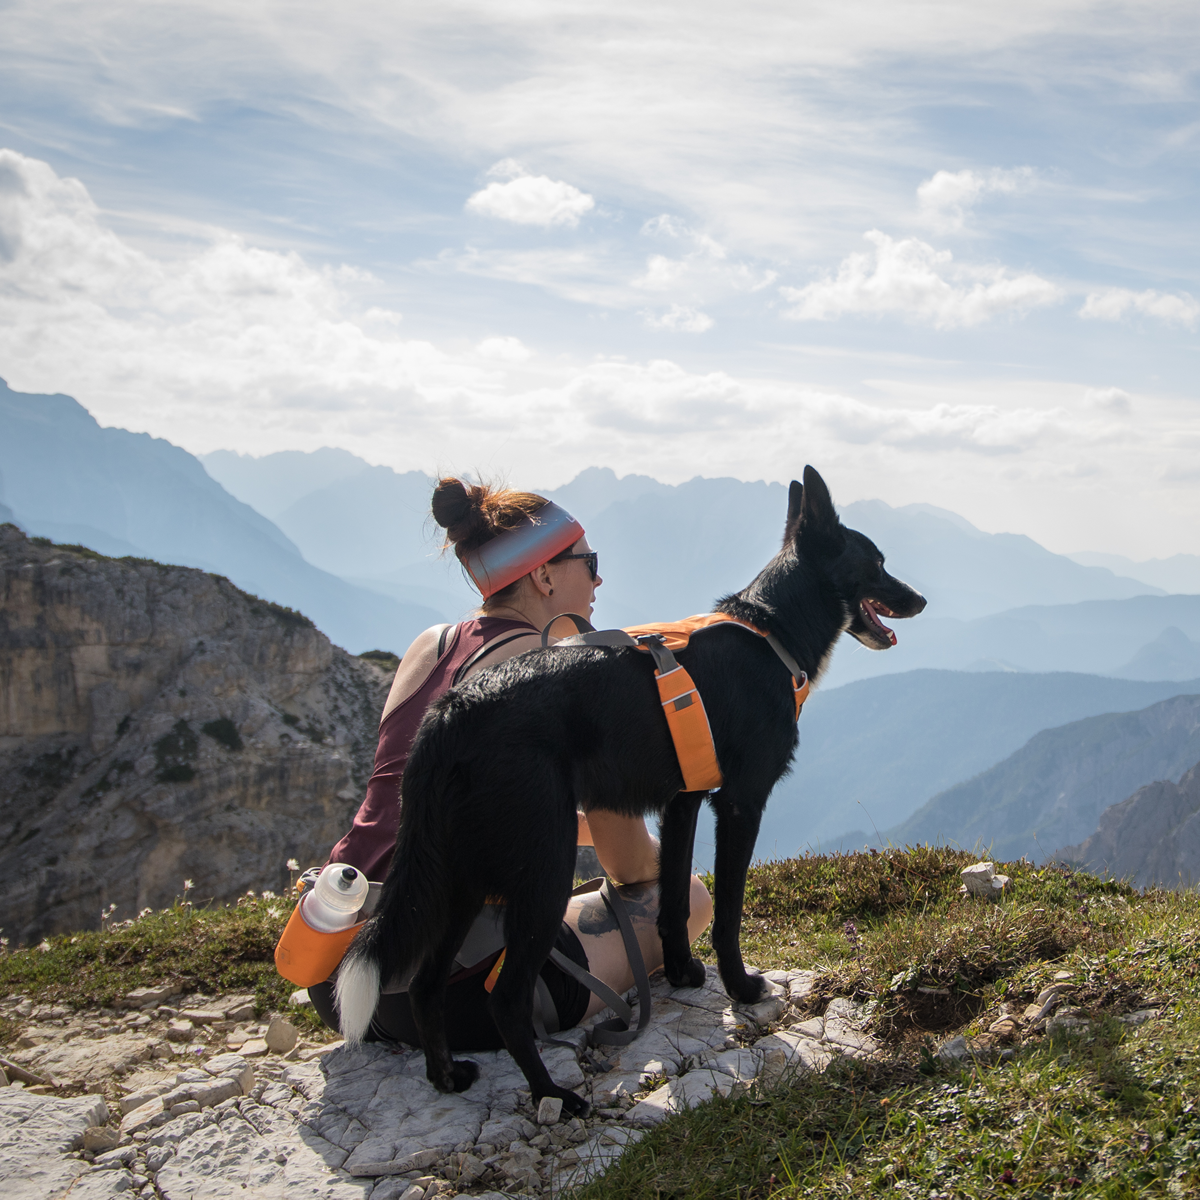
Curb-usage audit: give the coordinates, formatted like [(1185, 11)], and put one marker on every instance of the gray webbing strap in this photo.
[(787, 660), (617, 1032), (581, 623)]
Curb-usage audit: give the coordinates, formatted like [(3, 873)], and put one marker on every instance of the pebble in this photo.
[(281, 1035)]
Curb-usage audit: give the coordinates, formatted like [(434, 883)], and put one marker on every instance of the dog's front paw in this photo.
[(572, 1105), (751, 988), (691, 976), (463, 1073)]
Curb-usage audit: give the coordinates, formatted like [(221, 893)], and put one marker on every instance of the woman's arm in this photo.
[(624, 846)]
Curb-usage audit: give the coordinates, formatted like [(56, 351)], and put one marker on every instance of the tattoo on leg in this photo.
[(640, 898)]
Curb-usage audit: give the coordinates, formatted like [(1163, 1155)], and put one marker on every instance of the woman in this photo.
[(531, 562)]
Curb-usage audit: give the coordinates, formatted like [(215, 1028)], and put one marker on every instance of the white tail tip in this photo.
[(356, 994)]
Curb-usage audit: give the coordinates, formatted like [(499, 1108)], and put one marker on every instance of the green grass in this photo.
[(227, 949), (1110, 1112)]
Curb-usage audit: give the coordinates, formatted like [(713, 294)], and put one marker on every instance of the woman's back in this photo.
[(372, 838)]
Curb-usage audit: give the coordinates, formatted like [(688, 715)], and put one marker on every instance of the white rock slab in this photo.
[(87, 1061), (36, 1135), (353, 1120)]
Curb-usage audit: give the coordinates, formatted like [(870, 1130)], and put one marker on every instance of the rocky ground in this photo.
[(192, 1097)]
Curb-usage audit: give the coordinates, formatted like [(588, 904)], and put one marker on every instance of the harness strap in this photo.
[(487, 649), (617, 1031)]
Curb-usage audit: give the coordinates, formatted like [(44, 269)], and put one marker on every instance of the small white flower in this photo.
[(268, 895), (44, 947), (188, 885), (293, 865)]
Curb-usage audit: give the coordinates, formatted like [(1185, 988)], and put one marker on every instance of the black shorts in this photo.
[(469, 1025)]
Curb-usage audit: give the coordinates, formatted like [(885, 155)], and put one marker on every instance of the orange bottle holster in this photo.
[(305, 955)]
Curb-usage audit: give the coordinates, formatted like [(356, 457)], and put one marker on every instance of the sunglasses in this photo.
[(591, 558)]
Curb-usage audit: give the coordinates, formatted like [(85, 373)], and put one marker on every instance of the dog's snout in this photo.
[(919, 603)]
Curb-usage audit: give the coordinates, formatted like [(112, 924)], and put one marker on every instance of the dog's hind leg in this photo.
[(674, 875), (427, 996), (738, 819), (532, 923)]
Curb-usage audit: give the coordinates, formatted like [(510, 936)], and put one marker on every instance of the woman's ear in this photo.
[(542, 580)]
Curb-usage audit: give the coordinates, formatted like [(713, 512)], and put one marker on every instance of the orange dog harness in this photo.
[(681, 701)]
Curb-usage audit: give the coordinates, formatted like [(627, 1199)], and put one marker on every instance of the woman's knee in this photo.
[(701, 906)]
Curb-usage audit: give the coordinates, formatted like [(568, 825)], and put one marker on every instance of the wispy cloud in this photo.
[(947, 197), (909, 278), (528, 199), (1113, 303), (679, 319)]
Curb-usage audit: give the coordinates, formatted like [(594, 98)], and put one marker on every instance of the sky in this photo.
[(946, 253)]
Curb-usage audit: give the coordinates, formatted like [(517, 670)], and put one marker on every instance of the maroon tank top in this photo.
[(372, 838)]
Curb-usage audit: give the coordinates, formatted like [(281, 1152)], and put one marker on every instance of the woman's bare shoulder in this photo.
[(419, 659)]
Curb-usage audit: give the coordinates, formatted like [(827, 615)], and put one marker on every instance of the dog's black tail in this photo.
[(415, 903)]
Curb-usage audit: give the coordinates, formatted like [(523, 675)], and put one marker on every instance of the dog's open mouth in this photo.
[(870, 610)]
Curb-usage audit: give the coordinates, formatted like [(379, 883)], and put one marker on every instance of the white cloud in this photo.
[(530, 199), (945, 199), (1111, 304), (909, 278), (1109, 399), (234, 346), (504, 349), (679, 319), (702, 269)]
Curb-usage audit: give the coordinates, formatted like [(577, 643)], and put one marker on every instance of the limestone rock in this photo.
[(145, 997), (85, 1061), (281, 1035), (144, 740), (36, 1132), (99, 1138), (977, 878), (549, 1110)]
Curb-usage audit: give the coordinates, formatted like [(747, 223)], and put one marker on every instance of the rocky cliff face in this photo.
[(1153, 838), (158, 724)]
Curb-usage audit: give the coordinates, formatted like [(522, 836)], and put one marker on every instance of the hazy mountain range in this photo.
[(1051, 793), (64, 477), (1019, 635), (873, 752), (996, 601), (1152, 838)]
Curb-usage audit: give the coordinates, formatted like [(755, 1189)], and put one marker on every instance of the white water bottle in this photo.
[(331, 904)]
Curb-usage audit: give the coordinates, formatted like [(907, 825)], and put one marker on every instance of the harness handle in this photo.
[(582, 625)]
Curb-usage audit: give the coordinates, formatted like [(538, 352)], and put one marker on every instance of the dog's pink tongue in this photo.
[(875, 614)]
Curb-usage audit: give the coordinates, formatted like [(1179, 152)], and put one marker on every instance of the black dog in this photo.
[(500, 765)]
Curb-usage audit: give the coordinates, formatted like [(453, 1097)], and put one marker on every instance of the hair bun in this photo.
[(472, 514), (451, 503), (459, 510)]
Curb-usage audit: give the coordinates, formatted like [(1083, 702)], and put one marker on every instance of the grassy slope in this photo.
[(1108, 1113)]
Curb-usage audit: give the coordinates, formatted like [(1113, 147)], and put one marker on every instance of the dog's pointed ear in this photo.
[(795, 499), (817, 515)]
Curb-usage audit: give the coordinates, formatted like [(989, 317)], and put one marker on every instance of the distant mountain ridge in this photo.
[(874, 752), (1153, 838), (65, 477), (672, 549), (1052, 791)]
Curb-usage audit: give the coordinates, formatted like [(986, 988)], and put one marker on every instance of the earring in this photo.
[(552, 591)]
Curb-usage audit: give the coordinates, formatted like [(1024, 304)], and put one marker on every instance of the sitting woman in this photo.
[(542, 569)]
